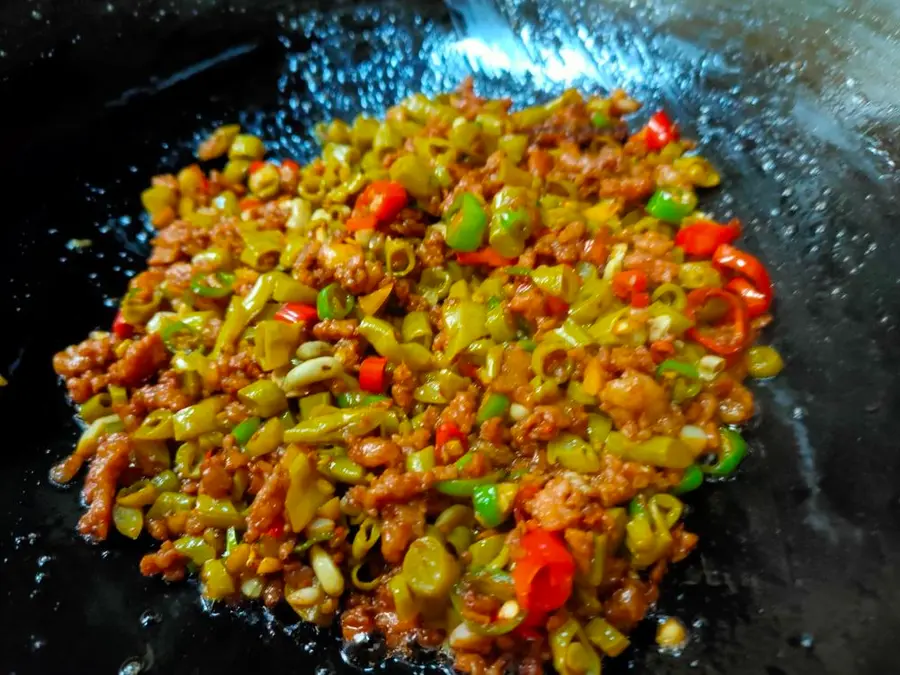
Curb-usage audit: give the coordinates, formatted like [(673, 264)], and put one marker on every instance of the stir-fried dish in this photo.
[(447, 382)]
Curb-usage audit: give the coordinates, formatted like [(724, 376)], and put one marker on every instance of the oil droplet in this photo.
[(132, 666), (150, 617)]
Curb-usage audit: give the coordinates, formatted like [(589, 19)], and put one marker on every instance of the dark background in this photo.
[(797, 568)]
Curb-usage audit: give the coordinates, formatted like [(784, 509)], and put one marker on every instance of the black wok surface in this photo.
[(796, 102)]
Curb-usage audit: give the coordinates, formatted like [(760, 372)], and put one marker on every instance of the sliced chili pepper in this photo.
[(731, 454), (527, 629), (467, 369), (365, 221), (201, 286), (757, 302), (626, 283), (486, 256), (372, 374), (691, 480), (121, 328), (680, 367), (178, 336), (599, 120), (294, 312), (289, 171), (661, 349), (244, 431), (495, 405), (701, 238), (255, 166), (727, 257), (660, 131), (333, 302), (671, 204), (248, 203), (466, 223), (382, 200), (723, 339), (277, 529), (448, 431), (556, 306), (543, 576), (640, 300)]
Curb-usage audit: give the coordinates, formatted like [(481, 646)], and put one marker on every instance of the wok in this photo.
[(796, 102)]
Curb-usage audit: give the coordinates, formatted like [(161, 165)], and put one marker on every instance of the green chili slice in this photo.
[(429, 568), (495, 405), (467, 223), (600, 121), (672, 204), (493, 503), (354, 399), (733, 451), (399, 257), (223, 287), (333, 302), (421, 460), (244, 431), (465, 487), (673, 366), (493, 584), (691, 480), (178, 337)]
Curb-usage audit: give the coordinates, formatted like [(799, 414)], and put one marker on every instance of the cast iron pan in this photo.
[(796, 571)]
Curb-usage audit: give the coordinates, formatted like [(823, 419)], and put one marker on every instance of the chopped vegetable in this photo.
[(731, 453), (764, 361), (372, 374), (660, 131), (701, 238), (294, 312), (726, 338), (334, 302), (758, 286), (467, 222), (672, 204), (543, 575)]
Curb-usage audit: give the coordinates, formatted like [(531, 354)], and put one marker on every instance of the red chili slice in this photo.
[(448, 431), (294, 312), (726, 338), (121, 328), (727, 257), (660, 131), (372, 374), (543, 576), (702, 238)]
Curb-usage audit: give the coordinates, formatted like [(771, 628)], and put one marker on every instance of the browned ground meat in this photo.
[(167, 561), (267, 506), (432, 251), (99, 491), (558, 505), (167, 393), (215, 480), (404, 384), (335, 329), (461, 410), (373, 452), (140, 362), (402, 524), (82, 366)]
